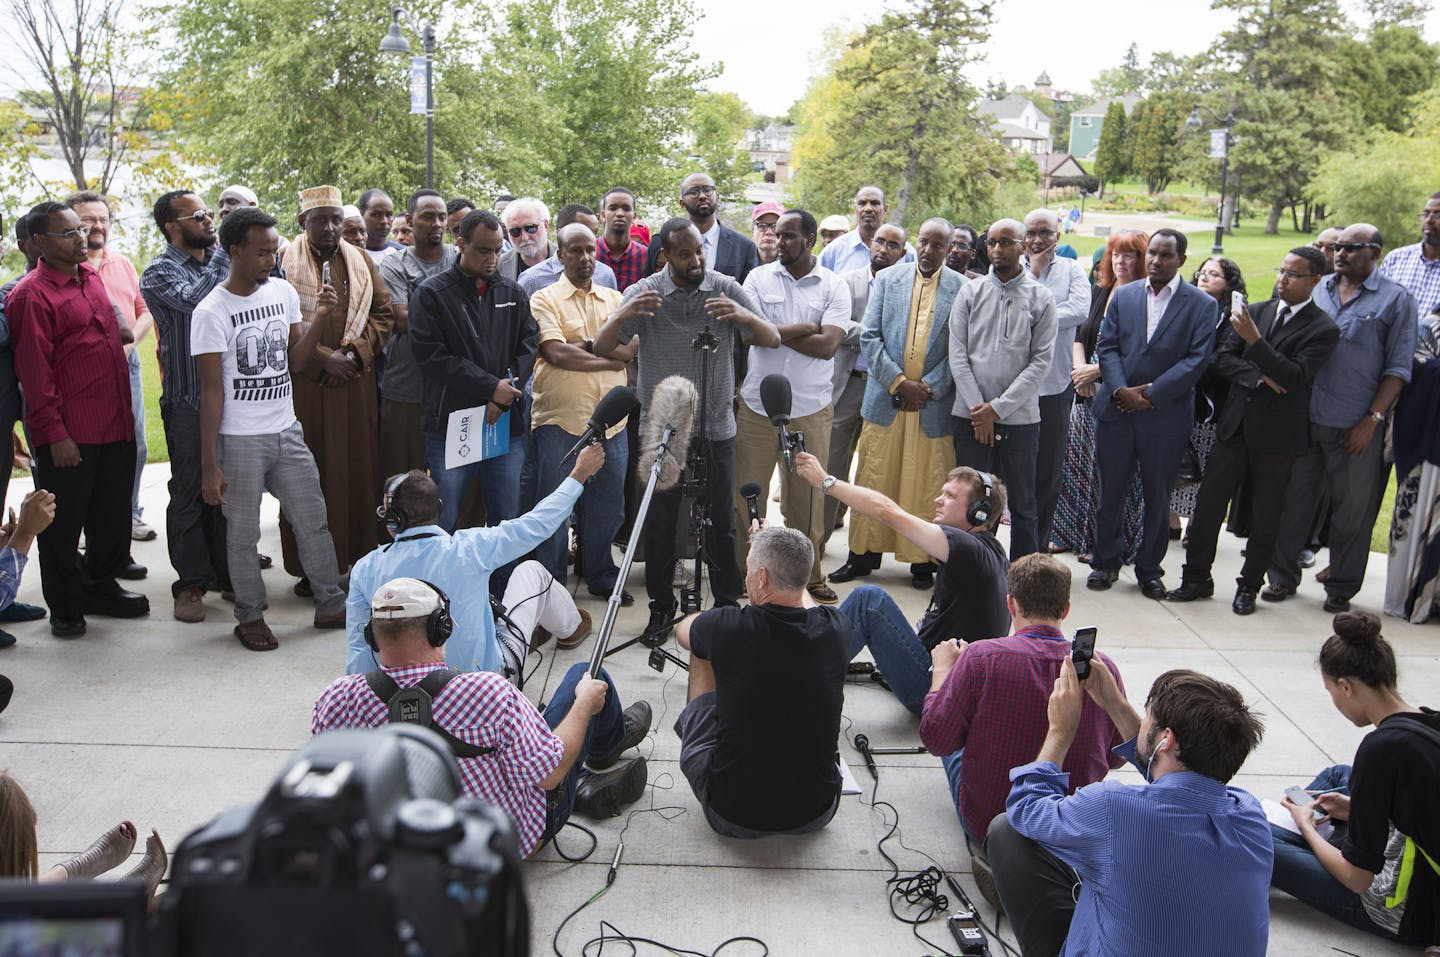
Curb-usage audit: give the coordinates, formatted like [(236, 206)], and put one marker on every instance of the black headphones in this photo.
[(980, 510), (438, 625), (390, 513)]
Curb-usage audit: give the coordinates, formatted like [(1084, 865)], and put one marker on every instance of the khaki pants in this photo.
[(757, 453)]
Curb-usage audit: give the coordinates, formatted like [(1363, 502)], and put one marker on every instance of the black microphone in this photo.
[(862, 744), (775, 398), (751, 492), (609, 411)]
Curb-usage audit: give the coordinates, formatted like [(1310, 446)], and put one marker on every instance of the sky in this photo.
[(1071, 41)]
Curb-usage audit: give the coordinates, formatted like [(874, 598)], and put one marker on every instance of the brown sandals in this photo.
[(256, 635)]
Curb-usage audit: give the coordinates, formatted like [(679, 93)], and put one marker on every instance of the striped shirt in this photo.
[(479, 708), (67, 351), (173, 285), (1409, 267)]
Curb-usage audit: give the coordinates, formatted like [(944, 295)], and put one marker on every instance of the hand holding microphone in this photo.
[(750, 491), (590, 460), (609, 412)]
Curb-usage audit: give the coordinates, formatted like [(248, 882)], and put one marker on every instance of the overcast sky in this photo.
[(769, 49)]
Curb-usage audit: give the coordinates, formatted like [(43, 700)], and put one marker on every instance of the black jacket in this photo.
[(464, 344), (1273, 422)]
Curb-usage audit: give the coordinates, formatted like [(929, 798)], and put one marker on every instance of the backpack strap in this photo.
[(412, 706)]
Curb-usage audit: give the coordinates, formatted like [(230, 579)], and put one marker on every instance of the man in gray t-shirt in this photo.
[(668, 311), (402, 446)]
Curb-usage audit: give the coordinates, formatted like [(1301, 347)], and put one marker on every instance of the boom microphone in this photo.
[(609, 412), (775, 398), (672, 407), (751, 493)]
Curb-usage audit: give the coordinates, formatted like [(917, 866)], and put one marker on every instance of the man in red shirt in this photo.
[(988, 701), (71, 360)]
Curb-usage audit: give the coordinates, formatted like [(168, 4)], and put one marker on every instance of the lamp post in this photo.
[(1194, 122), (394, 42)]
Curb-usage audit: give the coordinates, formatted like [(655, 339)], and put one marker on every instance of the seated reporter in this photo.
[(535, 765), (766, 690), (969, 599), (1380, 870), (37, 511), (461, 564), (987, 703), (1178, 866)]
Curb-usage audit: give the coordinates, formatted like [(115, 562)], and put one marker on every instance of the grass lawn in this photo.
[(150, 380), (1257, 255)]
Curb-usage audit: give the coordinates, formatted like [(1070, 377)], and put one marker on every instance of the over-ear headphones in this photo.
[(980, 510), (390, 513), (438, 625)]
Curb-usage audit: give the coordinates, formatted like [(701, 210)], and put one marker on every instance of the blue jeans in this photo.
[(952, 764), (597, 514), (1012, 460), (137, 408), (499, 487), (875, 620), (1299, 873), (602, 736)]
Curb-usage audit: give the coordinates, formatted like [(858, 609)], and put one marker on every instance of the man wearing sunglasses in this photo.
[(1350, 403), (527, 225), (69, 353)]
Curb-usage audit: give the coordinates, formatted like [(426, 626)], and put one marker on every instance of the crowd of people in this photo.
[(968, 380)]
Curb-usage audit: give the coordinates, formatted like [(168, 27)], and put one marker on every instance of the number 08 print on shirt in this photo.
[(262, 354)]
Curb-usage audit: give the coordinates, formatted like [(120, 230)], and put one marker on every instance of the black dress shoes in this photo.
[(115, 602), (856, 566), (67, 627), (922, 576), (1244, 603), (1153, 588), (1100, 579), (1191, 590), (658, 628), (133, 571), (19, 611)]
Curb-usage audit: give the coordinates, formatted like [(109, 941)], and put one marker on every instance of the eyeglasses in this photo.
[(694, 191), (1004, 243), (1291, 274), (1040, 234), (765, 227), (1354, 247), (199, 216), (889, 244), (79, 232), (959, 244), (529, 229)]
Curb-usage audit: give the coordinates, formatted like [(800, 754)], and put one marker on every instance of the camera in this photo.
[(364, 845)]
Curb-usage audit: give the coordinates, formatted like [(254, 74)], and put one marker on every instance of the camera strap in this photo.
[(412, 705)]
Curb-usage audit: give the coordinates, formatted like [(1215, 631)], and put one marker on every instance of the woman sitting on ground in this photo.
[(1380, 869)]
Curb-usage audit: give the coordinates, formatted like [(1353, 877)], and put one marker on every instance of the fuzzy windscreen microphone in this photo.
[(672, 406)]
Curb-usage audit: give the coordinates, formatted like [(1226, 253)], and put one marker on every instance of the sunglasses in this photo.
[(529, 229), (1354, 247), (199, 216)]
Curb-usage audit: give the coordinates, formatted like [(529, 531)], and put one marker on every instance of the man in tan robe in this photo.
[(335, 399)]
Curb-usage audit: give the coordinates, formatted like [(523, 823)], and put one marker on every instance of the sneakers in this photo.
[(604, 793), (637, 725), (190, 604), (140, 532)]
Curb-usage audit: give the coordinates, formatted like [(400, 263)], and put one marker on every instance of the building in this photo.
[(769, 151), (1021, 125), (1085, 124)]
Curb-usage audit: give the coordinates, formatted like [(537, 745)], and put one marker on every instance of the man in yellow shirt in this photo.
[(569, 380)]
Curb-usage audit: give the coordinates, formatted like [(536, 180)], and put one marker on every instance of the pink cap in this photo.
[(765, 209)]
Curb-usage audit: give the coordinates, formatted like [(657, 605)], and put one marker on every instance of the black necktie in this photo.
[(1280, 318)]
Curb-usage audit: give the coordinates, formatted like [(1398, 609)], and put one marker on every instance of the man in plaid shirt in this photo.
[(536, 771)]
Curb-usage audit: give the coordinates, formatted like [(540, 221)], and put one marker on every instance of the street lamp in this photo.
[(1194, 122), (394, 42)]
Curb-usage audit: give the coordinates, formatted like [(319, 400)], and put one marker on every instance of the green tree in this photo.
[(1393, 65), (718, 123), (1156, 140), (903, 115), (1111, 162), (1121, 80)]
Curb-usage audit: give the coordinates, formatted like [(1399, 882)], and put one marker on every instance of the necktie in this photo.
[(1280, 318)]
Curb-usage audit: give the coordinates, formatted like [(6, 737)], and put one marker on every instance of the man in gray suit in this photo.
[(527, 226), (851, 370)]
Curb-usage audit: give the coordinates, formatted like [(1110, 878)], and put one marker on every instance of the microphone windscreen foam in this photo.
[(672, 405)]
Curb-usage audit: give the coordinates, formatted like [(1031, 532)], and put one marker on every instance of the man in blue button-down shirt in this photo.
[(1349, 404), (1177, 867)]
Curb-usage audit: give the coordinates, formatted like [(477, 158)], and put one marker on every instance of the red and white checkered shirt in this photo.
[(479, 708)]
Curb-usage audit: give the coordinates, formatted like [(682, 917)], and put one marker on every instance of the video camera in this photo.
[(364, 846)]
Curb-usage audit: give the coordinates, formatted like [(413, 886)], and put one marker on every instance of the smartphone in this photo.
[(1082, 650), (1304, 798), (1237, 302), (324, 274)]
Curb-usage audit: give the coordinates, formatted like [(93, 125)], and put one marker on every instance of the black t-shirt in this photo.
[(1396, 779), (779, 689), (969, 601)]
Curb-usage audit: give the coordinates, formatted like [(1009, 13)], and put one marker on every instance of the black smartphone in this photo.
[(1082, 649)]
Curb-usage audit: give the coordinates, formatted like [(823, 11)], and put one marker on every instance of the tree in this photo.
[(1123, 79), (903, 114), (719, 122), (1393, 65), (1156, 140), (1110, 160), (83, 61)]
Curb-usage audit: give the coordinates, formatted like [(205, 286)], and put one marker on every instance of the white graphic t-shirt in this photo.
[(252, 335)]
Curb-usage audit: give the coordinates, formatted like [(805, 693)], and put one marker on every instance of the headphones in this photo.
[(438, 625), (390, 513), (980, 510)]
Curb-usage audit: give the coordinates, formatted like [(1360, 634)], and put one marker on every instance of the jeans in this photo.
[(597, 514), (137, 408), (876, 621), (194, 531), (602, 736), (1012, 460), (952, 763), (499, 487)]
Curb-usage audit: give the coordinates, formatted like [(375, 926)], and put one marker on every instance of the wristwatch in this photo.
[(827, 483), (1377, 417)]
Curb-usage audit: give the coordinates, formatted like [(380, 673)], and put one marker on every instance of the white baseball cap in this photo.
[(404, 598)]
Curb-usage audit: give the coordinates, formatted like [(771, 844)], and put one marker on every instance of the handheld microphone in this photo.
[(612, 408), (862, 744), (775, 399), (672, 407), (751, 493)]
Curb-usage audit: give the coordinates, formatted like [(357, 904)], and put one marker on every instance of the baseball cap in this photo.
[(404, 598), (835, 223), (767, 208)]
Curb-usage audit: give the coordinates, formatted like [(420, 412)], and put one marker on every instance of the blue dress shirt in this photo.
[(1377, 339), (1178, 867), (460, 566), (548, 271), (12, 563)]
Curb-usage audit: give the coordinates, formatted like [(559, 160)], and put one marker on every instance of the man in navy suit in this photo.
[(726, 251), (1155, 342)]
